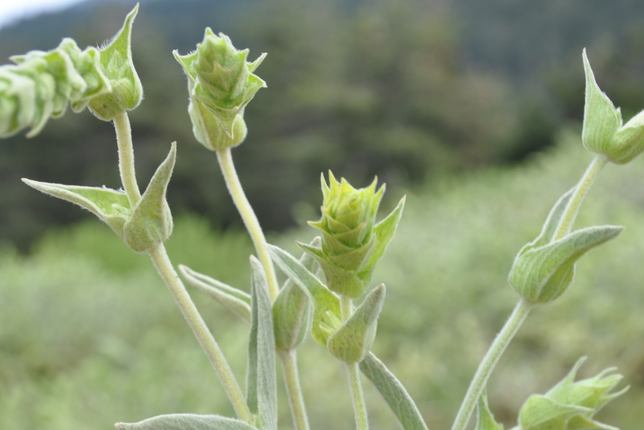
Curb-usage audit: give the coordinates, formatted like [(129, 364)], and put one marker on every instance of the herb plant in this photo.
[(329, 291)]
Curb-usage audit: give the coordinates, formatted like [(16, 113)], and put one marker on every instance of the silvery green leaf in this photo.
[(552, 222), (601, 118), (352, 341), (384, 231), (116, 62), (485, 420), (261, 386), (187, 422), (111, 206), (326, 305), (236, 300), (151, 220), (292, 308), (394, 393), (542, 274)]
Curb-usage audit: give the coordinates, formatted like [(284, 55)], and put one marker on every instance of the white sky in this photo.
[(12, 10)]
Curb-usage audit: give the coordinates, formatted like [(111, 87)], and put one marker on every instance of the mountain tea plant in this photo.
[(329, 291)]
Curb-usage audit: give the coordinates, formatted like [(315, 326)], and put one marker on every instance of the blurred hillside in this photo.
[(402, 89)]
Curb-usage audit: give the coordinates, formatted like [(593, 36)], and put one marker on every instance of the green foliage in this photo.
[(187, 422), (261, 391)]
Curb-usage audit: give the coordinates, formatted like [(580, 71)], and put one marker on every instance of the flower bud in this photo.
[(544, 268), (221, 83), (116, 59), (571, 405), (351, 243), (603, 131)]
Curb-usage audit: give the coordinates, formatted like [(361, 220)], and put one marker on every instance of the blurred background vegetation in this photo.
[(471, 108)]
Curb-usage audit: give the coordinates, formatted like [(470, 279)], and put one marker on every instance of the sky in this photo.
[(11, 11)]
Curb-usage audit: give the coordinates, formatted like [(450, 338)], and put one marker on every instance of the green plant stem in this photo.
[(248, 216), (201, 332), (289, 362), (353, 373), (163, 265), (523, 308), (577, 198), (489, 361), (289, 365), (126, 158)]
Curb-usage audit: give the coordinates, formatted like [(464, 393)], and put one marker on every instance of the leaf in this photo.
[(292, 309), (485, 420), (601, 119), (552, 222), (326, 305), (352, 341), (151, 220), (235, 300), (384, 231), (394, 393), (187, 422), (111, 206), (261, 386), (544, 273)]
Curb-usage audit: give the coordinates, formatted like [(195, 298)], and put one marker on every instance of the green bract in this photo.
[(142, 227), (544, 268), (351, 242), (221, 83), (571, 405), (603, 131), (116, 61)]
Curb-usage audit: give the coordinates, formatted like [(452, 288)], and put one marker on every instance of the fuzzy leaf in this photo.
[(542, 274), (235, 300), (187, 422), (601, 118), (384, 231), (326, 305), (151, 220), (261, 385), (111, 206), (485, 420), (292, 309), (552, 222), (352, 341), (394, 393)]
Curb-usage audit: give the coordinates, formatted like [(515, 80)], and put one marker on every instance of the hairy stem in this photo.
[(577, 198), (126, 158), (489, 362), (353, 373), (523, 308), (248, 215), (291, 377), (200, 330)]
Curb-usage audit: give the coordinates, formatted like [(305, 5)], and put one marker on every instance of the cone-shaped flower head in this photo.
[(352, 243), (221, 83), (604, 131)]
